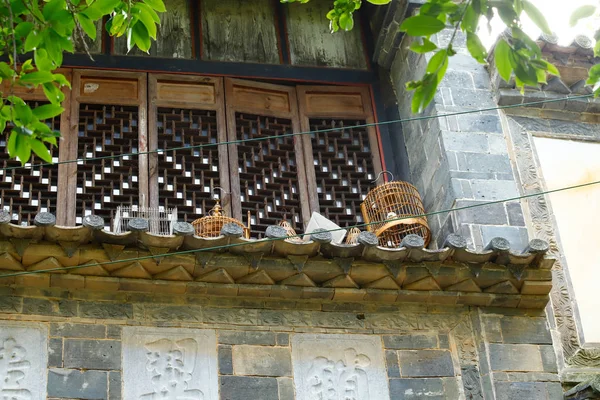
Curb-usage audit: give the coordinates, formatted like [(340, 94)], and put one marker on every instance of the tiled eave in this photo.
[(271, 267)]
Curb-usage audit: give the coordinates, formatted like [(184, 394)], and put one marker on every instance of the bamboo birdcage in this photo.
[(210, 225), (394, 210)]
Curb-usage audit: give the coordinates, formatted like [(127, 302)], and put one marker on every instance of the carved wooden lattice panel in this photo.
[(344, 169), (187, 177), (268, 173), (102, 185), (25, 192)]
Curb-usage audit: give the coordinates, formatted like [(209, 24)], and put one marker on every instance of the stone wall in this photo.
[(105, 346), (459, 160)]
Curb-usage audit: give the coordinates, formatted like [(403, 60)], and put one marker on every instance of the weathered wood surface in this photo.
[(94, 46), (174, 37), (311, 42), (243, 31)]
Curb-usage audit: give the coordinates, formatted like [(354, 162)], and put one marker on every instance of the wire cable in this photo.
[(421, 118), (228, 246)]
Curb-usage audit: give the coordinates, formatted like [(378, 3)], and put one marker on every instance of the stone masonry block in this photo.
[(469, 142), (549, 359), (78, 330), (246, 387), (262, 361), (247, 337), (479, 123), (55, 352), (487, 163), (74, 384), (63, 308), (105, 310), (407, 342), (493, 331), (517, 237), (114, 385), (486, 189), (92, 354), (525, 330), (225, 360), (283, 339), (515, 357), (528, 390), (481, 214), (286, 388), (417, 389), (391, 362), (425, 363)]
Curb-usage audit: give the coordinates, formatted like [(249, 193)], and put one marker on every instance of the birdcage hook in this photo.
[(381, 173)]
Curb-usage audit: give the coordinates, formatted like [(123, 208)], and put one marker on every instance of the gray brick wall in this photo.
[(430, 352), (459, 160)]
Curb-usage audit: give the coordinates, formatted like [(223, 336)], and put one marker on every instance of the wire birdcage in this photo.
[(210, 225), (160, 220), (291, 232), (394, 210)]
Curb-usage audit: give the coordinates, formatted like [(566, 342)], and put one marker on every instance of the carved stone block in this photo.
[(23, 360), (339, 366), (169, 363)]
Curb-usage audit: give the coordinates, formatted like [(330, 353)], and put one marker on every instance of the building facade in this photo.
[(256, 103)]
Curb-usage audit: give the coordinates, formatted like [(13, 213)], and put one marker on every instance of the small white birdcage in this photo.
[(160, 220)]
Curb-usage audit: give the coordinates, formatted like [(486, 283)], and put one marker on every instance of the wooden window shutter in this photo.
[(267, 176), (344, 160), (108, 118), (187, 112), (25, 192)]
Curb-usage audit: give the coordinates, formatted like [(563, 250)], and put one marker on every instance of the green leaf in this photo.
[(23, 29), (11, 146), (140, 36), (438, 64), (47, 111), (379, 2), (148, 22), (501, 59), (551, 68), (87, 25), (52, 7), (470, 20), (53, 94), (476, 48), (594, 75), (32, 41), (582, 12), (157, 5), (42, 62), (536, 16), (425, 47), (144, 6), (36, 78), (421, 25), (346, 21), (100, 8), (597, 49), (40, 150), (61, 80), (6, 71), (22, 149)]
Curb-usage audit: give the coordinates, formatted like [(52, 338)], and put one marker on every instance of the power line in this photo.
[(227, 246), (160, 151)]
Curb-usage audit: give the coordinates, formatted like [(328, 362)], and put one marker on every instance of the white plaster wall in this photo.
[(577, 213)]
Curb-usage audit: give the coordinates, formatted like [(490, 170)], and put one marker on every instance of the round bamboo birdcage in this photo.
[(352, 235), (394, 210), (291, 232), (210, 225)]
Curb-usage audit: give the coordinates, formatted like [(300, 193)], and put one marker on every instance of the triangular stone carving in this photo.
[(387, 282), (423, 284), (517, 271), (51, 264), (113, 250), (254, 259), (216, 276), (175, 274), (505, 287), (69, 247), (344, 263), (476, 270), (204, 257), (341, 281), (468, 285), (158, 251), (257, 278), (7, 261), (20, 245), (133, 270), (94, 270), (394, 267), (298, 262), (298, 280)]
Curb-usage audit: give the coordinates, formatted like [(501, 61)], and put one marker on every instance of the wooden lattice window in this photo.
[(268, 178), (187, 114), (25, 192), (110, 113), (343, 162)]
